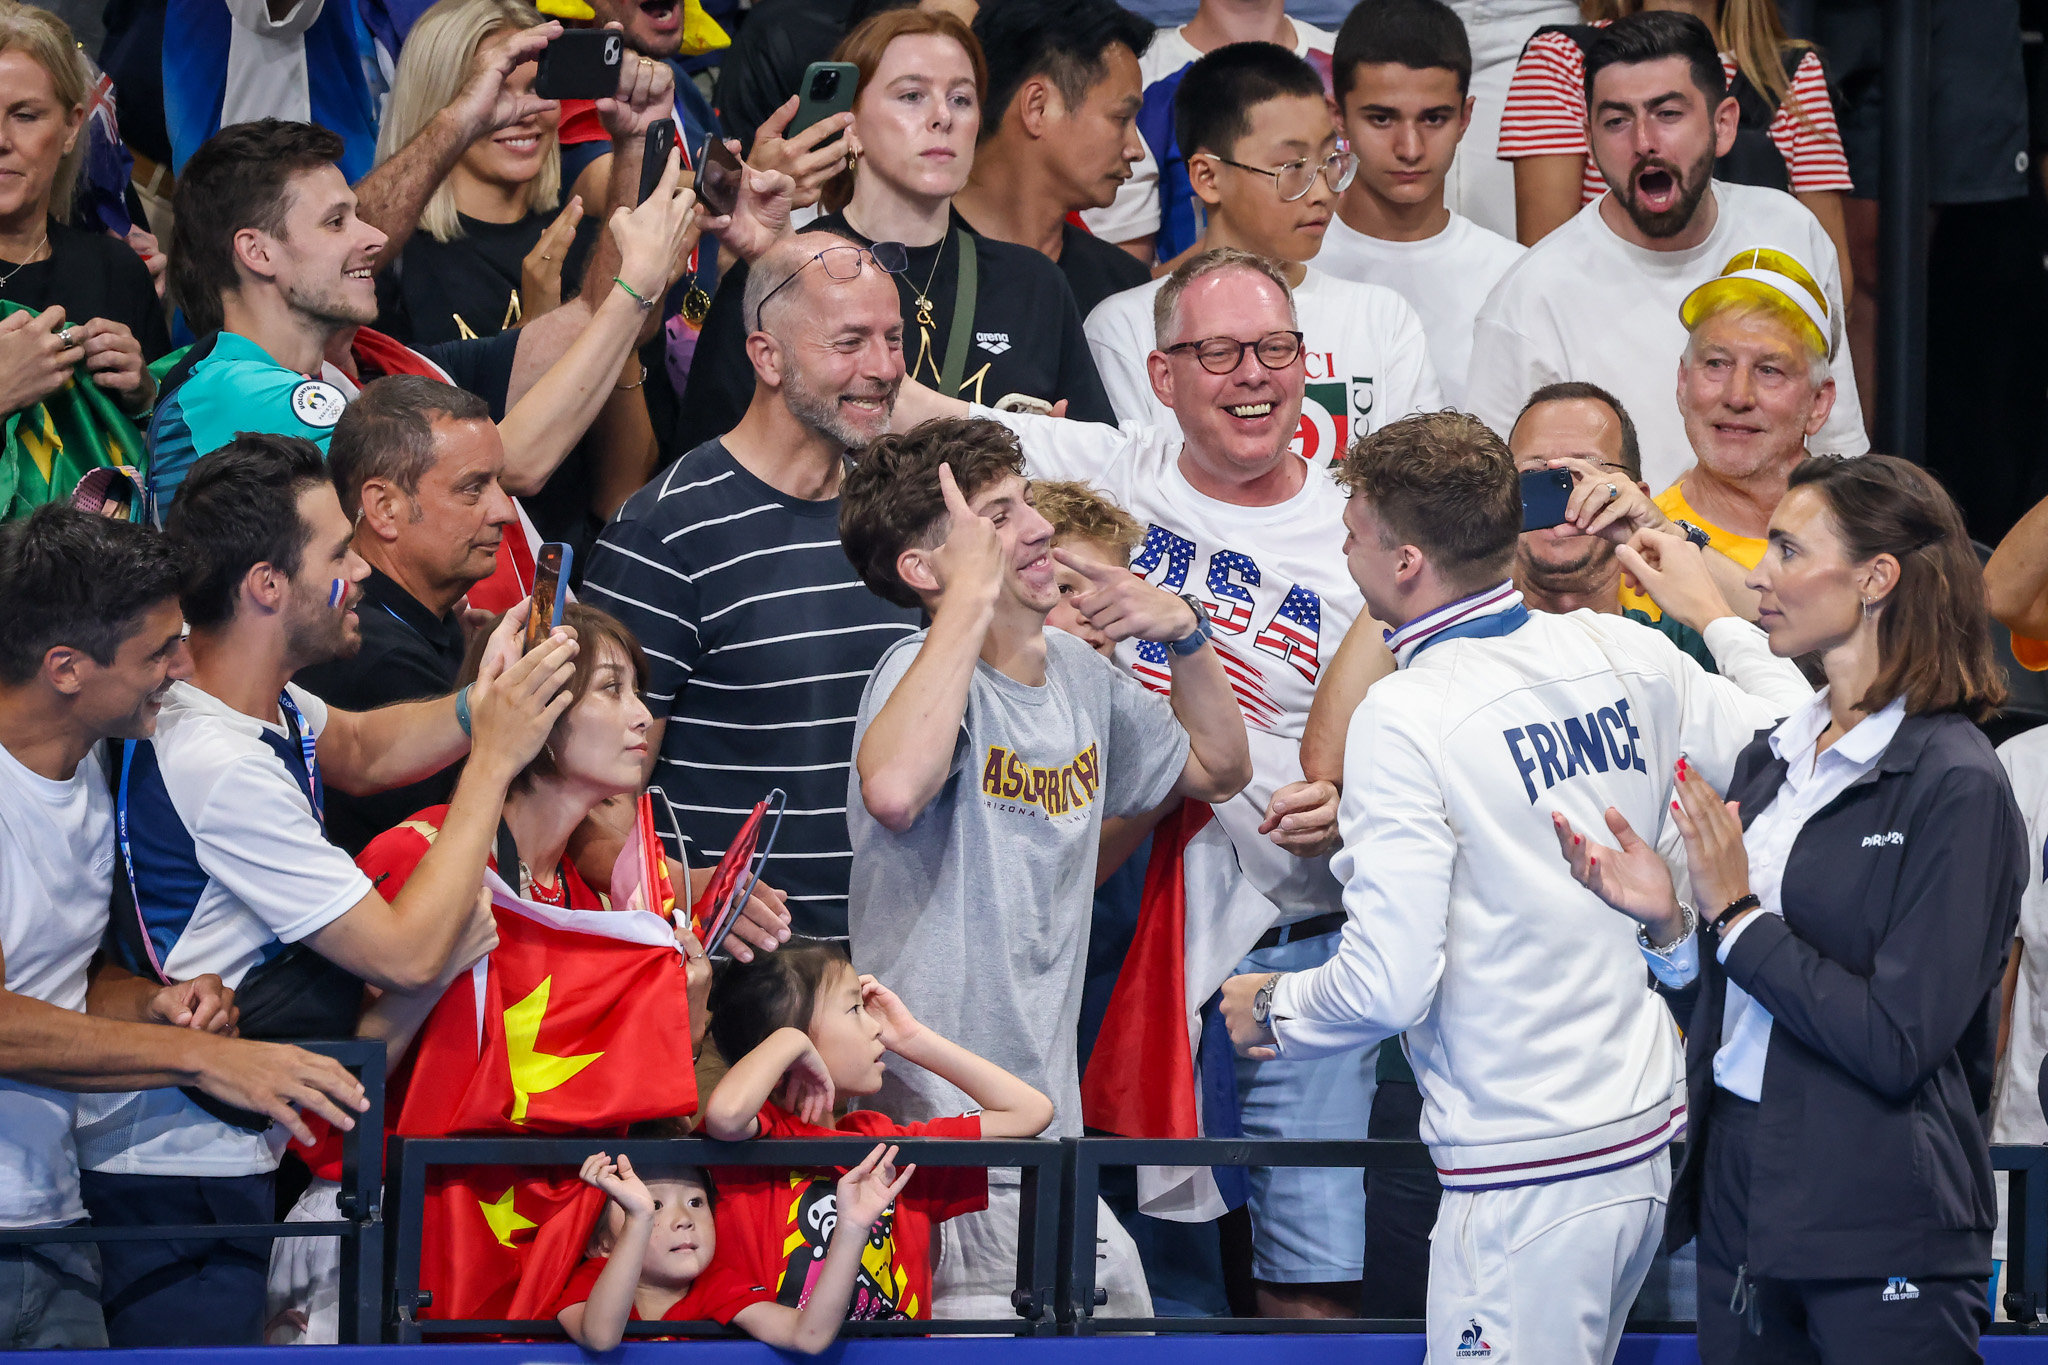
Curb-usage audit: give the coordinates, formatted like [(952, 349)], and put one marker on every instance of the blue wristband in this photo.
[(462, 709)]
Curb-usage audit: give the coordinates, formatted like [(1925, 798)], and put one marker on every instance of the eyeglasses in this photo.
[(1295, 179), (1222, 355), (842, 263)]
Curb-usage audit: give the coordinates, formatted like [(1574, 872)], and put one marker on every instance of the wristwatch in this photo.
[(1197, 637), (1692, 532), (1689, 923), (1262, 1002)]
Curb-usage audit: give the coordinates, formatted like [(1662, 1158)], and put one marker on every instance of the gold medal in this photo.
[(696, 306)]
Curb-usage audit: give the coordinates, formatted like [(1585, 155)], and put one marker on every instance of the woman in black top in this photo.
[(491, 244), (916, 120), (1853, 901), (99, 313)]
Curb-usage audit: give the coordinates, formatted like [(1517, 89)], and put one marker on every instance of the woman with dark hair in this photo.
[(1853, 900), (981, 318)]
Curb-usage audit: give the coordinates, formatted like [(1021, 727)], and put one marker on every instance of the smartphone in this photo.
[(661, 140), (828, 88), (718, 177), (550, 591), (582, 64), (1545, 493)]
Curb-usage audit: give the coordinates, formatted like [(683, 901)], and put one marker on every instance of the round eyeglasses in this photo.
[(1295, 179), (1222, 355), (842, 263)]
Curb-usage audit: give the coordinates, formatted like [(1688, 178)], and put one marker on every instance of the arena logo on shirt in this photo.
[(1330, 407), (1023, 788)]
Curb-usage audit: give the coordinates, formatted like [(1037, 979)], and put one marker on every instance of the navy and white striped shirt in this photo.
[(761, 638)]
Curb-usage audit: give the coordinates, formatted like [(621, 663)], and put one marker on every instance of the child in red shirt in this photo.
[(657, 1258), (806, 1030)]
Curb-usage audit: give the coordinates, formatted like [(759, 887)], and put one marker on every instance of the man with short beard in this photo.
[(728, 568), (1598, 300)]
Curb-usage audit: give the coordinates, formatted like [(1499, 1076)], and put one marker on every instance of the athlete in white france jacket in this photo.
[(1549, 1071)]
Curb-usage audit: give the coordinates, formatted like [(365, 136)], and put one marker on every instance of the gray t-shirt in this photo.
[(978, 915)]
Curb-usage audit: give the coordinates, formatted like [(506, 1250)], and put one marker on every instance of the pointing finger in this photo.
[(1103, 574)]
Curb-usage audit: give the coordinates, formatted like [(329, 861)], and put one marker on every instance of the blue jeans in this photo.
[(50, 1298)]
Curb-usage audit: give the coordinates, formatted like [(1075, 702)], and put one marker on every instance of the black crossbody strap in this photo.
[(961, 337)]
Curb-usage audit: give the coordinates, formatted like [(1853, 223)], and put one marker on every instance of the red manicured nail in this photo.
[(1674, 805), (1576, 841)]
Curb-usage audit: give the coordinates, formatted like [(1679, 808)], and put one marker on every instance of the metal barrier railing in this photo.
[(359, 1227), (1042, 1167)]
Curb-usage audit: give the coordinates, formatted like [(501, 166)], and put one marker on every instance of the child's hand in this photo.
[(899, 1025), (806, 1088), (616, 1179), (867, 1191)]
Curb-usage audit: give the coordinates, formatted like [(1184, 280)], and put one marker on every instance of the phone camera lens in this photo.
[(824, 85)]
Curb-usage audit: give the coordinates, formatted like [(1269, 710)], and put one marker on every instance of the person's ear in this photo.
[(73, 122), (64, 669), (1408, 562), (1727, 114), (1823, 405), (1878, 578), (1160, 371), (1465, 116), (255, 252), (1203, 171), (1039, 106), (384, 505), (266, 586), (919, 573), (766, 357)]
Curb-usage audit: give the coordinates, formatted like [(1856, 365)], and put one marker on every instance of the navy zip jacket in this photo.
[(1901, 898)]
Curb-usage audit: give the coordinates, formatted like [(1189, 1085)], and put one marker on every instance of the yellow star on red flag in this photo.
[(504, 1219), (534, 1071)]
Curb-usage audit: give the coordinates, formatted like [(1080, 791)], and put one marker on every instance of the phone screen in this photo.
[(1545, 493), (718, 178), (550, 591)]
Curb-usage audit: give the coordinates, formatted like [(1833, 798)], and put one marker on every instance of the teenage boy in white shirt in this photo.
[(1233, 517), (988, 751), (1402, 70), (227, 868), (1598, 300), (1264, 159), (91, 637)]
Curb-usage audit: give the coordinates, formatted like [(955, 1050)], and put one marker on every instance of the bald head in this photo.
[(802, 286)]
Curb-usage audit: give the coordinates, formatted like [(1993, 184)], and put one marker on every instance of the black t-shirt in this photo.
[(468, 287), (1095, 269), (408, 655), (91, 275), (1027, 336)]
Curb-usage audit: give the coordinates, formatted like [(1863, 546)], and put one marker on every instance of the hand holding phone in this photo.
[(550, 591), (827, 88), (661, 140), (718, 177), (582, 64), (1546, 493)]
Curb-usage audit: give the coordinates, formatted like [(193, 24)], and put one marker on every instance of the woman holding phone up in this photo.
[(1851, 905)]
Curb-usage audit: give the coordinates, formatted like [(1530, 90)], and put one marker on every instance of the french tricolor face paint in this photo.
[(336, 593)]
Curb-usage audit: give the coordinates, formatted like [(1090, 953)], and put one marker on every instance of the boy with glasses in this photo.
[(1265, 162)]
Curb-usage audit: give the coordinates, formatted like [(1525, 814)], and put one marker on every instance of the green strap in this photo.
[(957, 340)]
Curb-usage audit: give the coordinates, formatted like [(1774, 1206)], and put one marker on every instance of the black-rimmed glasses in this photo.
[(1222, 355), (1296, 178), (842, 263)]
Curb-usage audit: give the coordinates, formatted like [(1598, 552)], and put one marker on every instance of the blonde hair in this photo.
[(1749, 30), (432, 69), (1078, 512), (47, 42)]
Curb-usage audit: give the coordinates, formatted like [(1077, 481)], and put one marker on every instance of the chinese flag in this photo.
[(578, 1022), (502, 1241)]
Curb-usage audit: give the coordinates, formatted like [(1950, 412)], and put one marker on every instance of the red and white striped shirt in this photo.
[(1545, 115)]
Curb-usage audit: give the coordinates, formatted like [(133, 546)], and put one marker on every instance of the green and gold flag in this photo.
[(53, 443)]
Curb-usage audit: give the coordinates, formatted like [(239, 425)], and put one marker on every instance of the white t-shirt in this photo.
[(2016, 1102), (1583, 304), (232, 863), (1366, 357), (1444, 278), (56, 872), (1135, 211), (1279, 601)]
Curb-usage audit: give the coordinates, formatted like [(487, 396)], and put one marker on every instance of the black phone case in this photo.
[(1545, 494), (661, 140), (582, 64)]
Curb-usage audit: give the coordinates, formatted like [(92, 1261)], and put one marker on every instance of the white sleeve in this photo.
[(1061, 448), (1504, 370), (1396, 868), (1743, 654), (1120, 358), (1411, 384), (1842, 433), (1134, 213), (257, 837)]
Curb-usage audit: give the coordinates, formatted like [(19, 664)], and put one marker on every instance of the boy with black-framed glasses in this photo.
[(1267, 166)]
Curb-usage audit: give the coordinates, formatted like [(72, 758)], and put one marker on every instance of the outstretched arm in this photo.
[(864, 1195)]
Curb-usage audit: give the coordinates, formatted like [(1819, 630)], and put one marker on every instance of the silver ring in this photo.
[(69, 337), (1613, 491)]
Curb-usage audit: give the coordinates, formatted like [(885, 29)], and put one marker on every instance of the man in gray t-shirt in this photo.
[(987, 753)]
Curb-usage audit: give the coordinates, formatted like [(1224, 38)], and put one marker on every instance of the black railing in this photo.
[(359, 1227)]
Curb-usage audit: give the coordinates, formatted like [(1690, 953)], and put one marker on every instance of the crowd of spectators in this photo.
[(1226, 570)]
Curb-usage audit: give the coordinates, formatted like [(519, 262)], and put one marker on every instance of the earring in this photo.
[(549, 750), (1869, 607)]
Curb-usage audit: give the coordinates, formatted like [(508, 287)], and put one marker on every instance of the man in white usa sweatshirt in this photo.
[(1550, 1073)]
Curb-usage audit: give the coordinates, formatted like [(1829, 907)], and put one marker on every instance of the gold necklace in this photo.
[(924, 295), (32, 252)]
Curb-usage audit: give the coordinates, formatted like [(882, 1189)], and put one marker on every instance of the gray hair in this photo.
[(1166, 303)]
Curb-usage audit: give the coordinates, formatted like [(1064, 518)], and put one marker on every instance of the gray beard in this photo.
[(821, 413)]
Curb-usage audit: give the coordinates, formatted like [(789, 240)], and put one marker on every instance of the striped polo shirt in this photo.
[(761, 638)]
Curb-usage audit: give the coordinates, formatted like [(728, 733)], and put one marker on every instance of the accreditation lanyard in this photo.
[(296, 723)]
